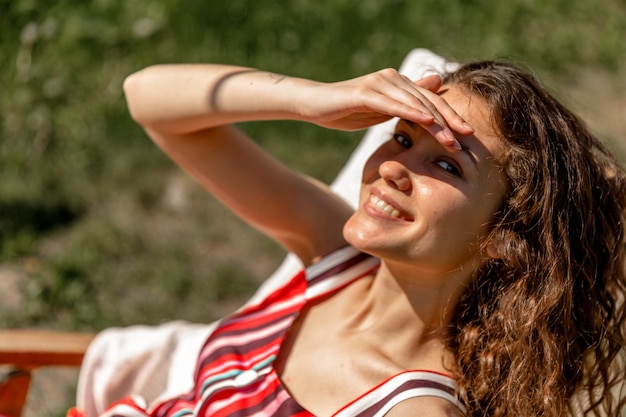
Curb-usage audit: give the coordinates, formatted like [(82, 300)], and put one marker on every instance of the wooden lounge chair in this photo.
[(24, 351)]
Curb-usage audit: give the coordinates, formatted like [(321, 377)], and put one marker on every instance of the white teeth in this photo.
[(384, 207)]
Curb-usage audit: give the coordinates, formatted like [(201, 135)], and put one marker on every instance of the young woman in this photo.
[(482, 272)]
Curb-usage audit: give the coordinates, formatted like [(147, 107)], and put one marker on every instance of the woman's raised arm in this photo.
[(188, 110), (183, 98)]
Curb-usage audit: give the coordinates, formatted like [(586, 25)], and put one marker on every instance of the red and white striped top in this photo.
[(235, 375)]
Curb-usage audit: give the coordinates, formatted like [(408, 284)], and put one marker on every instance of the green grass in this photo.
[(84, 213), (82, 187)]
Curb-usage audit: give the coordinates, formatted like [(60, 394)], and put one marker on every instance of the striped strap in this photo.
[(410, 384), (337, 270)]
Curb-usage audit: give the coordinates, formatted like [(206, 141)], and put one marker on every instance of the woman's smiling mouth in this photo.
[(384, 207)]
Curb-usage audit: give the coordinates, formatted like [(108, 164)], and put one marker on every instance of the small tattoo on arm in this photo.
[(276, 77)]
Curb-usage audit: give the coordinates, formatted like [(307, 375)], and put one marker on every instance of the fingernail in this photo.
[(450, 136), (468, 127)]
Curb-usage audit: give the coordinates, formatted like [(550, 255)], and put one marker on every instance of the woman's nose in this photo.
[(396, 174)]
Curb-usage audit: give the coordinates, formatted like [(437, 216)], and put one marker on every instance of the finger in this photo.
[(444, 136), (395, 95), (421, 113), (401, 97), (398, 96), (435, 115), (446, 116), (422, 92), (443, 114), (431, 82), (433, 108), (430, 117), (399, 104)]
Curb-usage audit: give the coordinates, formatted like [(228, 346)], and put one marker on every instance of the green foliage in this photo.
[(82, 189), (105, 231)]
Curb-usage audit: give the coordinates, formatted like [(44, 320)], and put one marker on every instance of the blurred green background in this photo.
[(98, 228)]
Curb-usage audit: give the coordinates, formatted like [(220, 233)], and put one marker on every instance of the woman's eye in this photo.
[(403, 140), (449, 168)]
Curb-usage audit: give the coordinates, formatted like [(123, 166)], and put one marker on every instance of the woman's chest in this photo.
[(323, 365)]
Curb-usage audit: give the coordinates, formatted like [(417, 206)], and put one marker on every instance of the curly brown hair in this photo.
[(540, 331)]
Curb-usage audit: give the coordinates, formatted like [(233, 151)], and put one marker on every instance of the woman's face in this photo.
[(424, 207)]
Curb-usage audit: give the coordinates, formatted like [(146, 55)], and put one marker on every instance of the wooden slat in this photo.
[(30, 349), (13, 393)]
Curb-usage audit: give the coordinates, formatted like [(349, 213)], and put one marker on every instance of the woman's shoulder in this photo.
[(424, 407)]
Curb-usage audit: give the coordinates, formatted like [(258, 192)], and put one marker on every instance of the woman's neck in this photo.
[(407, 316)]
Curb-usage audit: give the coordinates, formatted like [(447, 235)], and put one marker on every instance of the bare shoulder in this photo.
[(424, 407)]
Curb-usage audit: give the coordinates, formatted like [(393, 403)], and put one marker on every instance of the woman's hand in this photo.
[(374, 98)]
